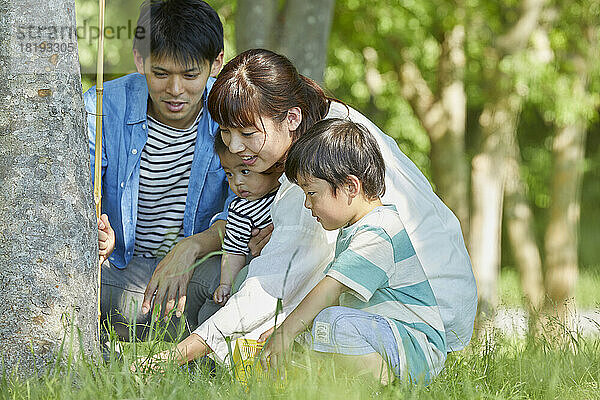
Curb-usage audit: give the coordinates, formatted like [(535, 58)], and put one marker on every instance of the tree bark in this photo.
[(48, 250), (299, 30)]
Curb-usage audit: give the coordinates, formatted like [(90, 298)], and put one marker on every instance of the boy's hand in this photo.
[(265, 335), (275, 349), (222, 294), (106, 238)]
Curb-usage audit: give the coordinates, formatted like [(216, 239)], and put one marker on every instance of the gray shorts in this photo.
[(349, 331), (122, 293)]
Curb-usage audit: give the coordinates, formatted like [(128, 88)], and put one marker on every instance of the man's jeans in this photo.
[(122, 293)]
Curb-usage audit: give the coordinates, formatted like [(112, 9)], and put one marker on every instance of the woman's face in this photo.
[(261, 147)]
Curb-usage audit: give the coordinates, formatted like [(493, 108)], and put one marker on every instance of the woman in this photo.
[(262, 105)]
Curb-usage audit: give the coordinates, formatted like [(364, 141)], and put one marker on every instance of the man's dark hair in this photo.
[(220, 147), (187, 31), (334, 148)]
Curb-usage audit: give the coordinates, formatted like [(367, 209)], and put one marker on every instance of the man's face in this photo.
[(175, 90)]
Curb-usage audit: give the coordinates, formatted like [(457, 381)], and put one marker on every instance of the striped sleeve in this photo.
[(362, 266), (238, 230), (244, 216)]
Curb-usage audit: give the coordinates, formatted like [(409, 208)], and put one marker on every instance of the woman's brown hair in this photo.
[(259, 83)]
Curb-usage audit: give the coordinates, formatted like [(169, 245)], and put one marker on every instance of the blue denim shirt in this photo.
[(124, 135)]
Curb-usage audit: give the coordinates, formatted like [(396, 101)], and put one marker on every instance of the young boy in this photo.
[(387, 322), (250, 210)]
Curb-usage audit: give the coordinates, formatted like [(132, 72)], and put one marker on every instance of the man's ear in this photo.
[(294, 118), (139, 61), (353, 186), (216, 66)]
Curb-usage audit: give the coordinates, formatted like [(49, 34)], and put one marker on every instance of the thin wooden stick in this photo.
[(98, 147)]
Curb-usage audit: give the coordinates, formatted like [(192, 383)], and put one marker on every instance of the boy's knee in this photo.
[(337, 319), (330, 314)]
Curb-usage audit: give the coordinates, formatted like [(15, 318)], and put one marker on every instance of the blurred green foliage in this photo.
[(370, 39)]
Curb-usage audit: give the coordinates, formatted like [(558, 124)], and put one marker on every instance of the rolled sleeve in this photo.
[(247, 313)]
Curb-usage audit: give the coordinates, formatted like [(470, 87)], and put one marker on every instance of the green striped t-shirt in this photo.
[(375, 260)]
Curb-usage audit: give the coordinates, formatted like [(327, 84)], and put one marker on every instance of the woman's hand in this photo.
[(259, 239), (106, 238), (222, 294), (171, 277)]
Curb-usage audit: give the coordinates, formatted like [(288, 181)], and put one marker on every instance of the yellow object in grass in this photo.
[(246, 361)]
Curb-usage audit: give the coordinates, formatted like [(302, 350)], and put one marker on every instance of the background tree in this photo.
[(48, 253), (574, 90), (298, 29)]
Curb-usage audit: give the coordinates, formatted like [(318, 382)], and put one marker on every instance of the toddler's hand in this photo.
[(222, 294)]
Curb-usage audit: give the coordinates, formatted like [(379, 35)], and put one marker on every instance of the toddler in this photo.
[(249, 210)]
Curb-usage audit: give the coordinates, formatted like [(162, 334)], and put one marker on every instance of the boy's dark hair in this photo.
[(334, 148), (187, 31)]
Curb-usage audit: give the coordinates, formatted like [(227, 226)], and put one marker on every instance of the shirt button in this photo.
[(144, 126), (122, 184), (134, 151)]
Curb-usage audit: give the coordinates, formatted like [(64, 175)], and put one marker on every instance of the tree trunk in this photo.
[(299, 30), (562, 231), (48, 251), (305, 35), (443, 118), (255, 24), (520, 229), (448, 159), (498, 123)]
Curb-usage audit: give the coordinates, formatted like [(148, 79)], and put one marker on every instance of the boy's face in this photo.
[(175, 90), (333, 211), (245, 183)]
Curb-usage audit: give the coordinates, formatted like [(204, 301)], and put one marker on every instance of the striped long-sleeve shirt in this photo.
[(165, 168)]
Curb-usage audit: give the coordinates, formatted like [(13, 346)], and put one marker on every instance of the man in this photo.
[(164, 193)]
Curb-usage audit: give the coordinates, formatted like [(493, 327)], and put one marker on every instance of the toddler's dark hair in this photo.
[(334, 148)]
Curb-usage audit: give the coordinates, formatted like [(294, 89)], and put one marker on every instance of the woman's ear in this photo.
[(353, 186), (294, 118)]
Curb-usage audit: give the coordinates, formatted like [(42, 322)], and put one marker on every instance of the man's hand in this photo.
[(171, 277), (222, 294), (259, 239), (106, 238)]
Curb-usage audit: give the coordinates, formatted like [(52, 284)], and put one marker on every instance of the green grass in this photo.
[(510, 369), (587, 295)]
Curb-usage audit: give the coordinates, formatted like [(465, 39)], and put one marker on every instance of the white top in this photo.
[(299, 250)]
